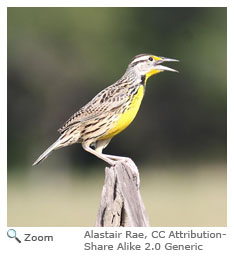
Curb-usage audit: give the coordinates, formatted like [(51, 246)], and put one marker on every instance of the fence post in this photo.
[(121, 203)]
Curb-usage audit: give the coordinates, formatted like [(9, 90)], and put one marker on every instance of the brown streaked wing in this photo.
[(102, 103)]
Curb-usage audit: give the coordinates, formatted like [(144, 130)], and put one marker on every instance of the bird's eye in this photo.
[(151, 59)]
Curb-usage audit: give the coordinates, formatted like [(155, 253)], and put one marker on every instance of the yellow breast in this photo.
[(124, 119)]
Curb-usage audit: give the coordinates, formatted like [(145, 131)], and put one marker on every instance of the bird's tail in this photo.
[(56, 145)]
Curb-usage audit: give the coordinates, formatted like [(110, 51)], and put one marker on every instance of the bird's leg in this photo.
[(112, 159), (98, 154), (129, 163)]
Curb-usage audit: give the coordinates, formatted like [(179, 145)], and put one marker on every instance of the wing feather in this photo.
[(109, 99)]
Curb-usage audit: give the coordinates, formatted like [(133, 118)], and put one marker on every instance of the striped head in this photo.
[(148, 65)]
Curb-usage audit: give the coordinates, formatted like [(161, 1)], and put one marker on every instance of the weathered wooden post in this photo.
[(121, 203)]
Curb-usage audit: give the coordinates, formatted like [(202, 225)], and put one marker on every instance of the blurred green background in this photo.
[(59, 58)]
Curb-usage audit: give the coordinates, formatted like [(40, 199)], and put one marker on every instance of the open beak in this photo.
[(163, 68)]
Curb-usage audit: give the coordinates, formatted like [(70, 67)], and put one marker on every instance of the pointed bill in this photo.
[(164, 59), (162, 68)]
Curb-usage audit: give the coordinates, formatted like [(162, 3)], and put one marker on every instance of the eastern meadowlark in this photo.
[(110, 111)]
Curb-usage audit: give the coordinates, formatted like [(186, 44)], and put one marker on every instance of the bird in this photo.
[(110, 111)]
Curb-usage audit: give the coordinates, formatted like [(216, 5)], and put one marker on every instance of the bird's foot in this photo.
[(128, 162)]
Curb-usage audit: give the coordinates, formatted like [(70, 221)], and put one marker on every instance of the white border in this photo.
[(106, 3), (70, 240)]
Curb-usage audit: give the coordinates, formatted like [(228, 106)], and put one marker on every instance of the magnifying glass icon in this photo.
[(12, 234)]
